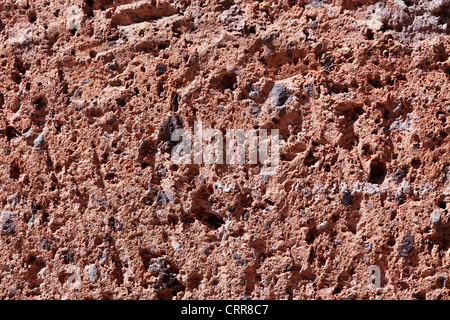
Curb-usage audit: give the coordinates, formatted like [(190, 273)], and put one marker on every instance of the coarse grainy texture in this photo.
[(93, 206)]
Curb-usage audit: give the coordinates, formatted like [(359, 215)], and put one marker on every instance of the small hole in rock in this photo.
[(377, 173)]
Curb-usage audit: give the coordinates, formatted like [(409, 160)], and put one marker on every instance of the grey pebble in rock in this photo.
[(12, 291), (254, 92), (164, 197), (347, 198), (161, 69), (401, 125), (113, 66), (158, 266), (279, 94), (27, 134), (399, 174), (306, 192), (407, 245), (45, 244), (255, 110), (93, 272), (8, 225), (39, 141), (435, 217), (323, 225)]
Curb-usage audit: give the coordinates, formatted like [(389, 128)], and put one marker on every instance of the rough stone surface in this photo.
[(364, 175), (411, 20)]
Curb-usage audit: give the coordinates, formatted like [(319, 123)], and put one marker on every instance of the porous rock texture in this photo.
[(93, 207)]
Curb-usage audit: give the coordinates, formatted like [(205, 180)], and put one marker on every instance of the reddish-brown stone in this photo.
[(93, 206)]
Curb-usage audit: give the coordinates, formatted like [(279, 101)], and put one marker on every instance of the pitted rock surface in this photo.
[(91, 91)]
